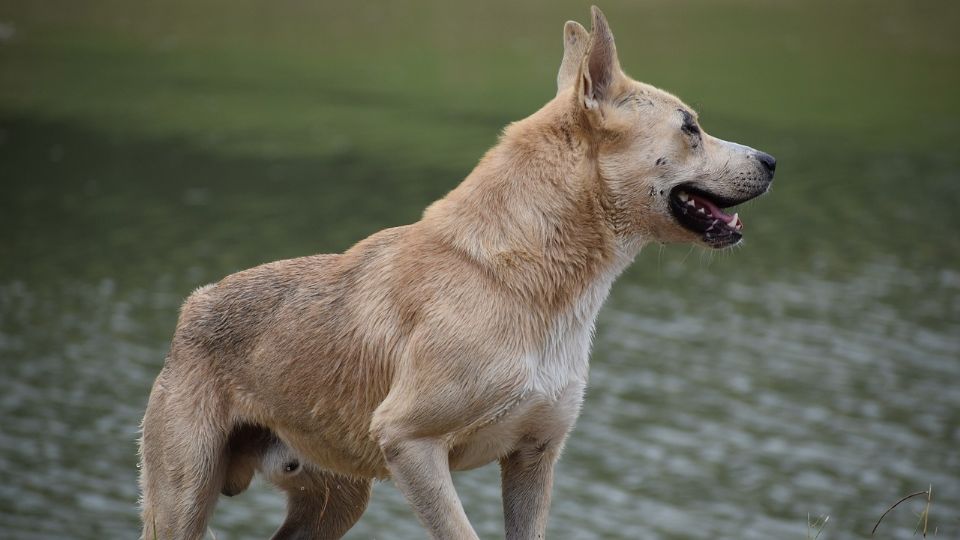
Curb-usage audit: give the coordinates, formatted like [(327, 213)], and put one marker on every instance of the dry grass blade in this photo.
[(926, 492), (924, 515), (817, 525)]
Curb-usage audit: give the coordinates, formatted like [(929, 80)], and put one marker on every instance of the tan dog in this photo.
[(445, 344)]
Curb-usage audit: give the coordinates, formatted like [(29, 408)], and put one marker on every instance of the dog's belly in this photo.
[(492, 441), (350, 456), (536, 419)]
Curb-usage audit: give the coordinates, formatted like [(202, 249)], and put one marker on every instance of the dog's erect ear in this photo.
[(576, 39), (600, 66)]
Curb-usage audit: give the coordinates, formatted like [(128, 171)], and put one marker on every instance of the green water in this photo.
[(146, 150)]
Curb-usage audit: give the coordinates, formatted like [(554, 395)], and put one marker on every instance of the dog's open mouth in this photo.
[(703, 214)]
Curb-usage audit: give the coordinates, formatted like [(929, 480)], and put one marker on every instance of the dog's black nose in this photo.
[(768, 161)]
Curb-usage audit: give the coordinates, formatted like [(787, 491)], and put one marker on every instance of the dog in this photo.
[(447, 344)]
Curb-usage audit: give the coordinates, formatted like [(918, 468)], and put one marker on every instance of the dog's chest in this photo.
[(564, 358), (564, 355), (555, 379)]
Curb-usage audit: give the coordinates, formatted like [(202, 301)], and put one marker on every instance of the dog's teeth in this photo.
[(735, 222), (691, 203), (683, 196), (701, 211)]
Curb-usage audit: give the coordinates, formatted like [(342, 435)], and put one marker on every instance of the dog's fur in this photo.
[(441, 345)]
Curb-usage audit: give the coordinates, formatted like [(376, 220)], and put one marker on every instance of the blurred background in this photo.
[(149, 148)]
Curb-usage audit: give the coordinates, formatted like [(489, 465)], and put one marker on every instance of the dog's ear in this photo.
[(576, 39), (600, 66)]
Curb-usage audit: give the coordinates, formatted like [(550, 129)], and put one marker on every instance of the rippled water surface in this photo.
[(814, 371)]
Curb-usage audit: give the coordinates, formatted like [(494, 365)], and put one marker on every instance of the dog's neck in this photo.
[(534, 211)]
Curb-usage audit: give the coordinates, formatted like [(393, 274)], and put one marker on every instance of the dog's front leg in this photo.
[(421, 469), (526, 473), (527, 481)]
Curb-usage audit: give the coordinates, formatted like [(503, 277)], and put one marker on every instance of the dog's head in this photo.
[(666, 178)]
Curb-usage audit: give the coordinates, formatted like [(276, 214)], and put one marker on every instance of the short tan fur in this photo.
[(446, 344)]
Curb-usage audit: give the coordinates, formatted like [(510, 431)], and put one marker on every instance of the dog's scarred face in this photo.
[(670, 181), (670, 177)]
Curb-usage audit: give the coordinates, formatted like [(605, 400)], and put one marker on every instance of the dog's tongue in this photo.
[(715, 211)]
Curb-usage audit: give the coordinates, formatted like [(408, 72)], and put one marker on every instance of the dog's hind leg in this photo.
[(320, 504), (183, 457)]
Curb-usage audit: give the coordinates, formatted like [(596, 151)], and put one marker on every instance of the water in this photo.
[(814, 371)]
